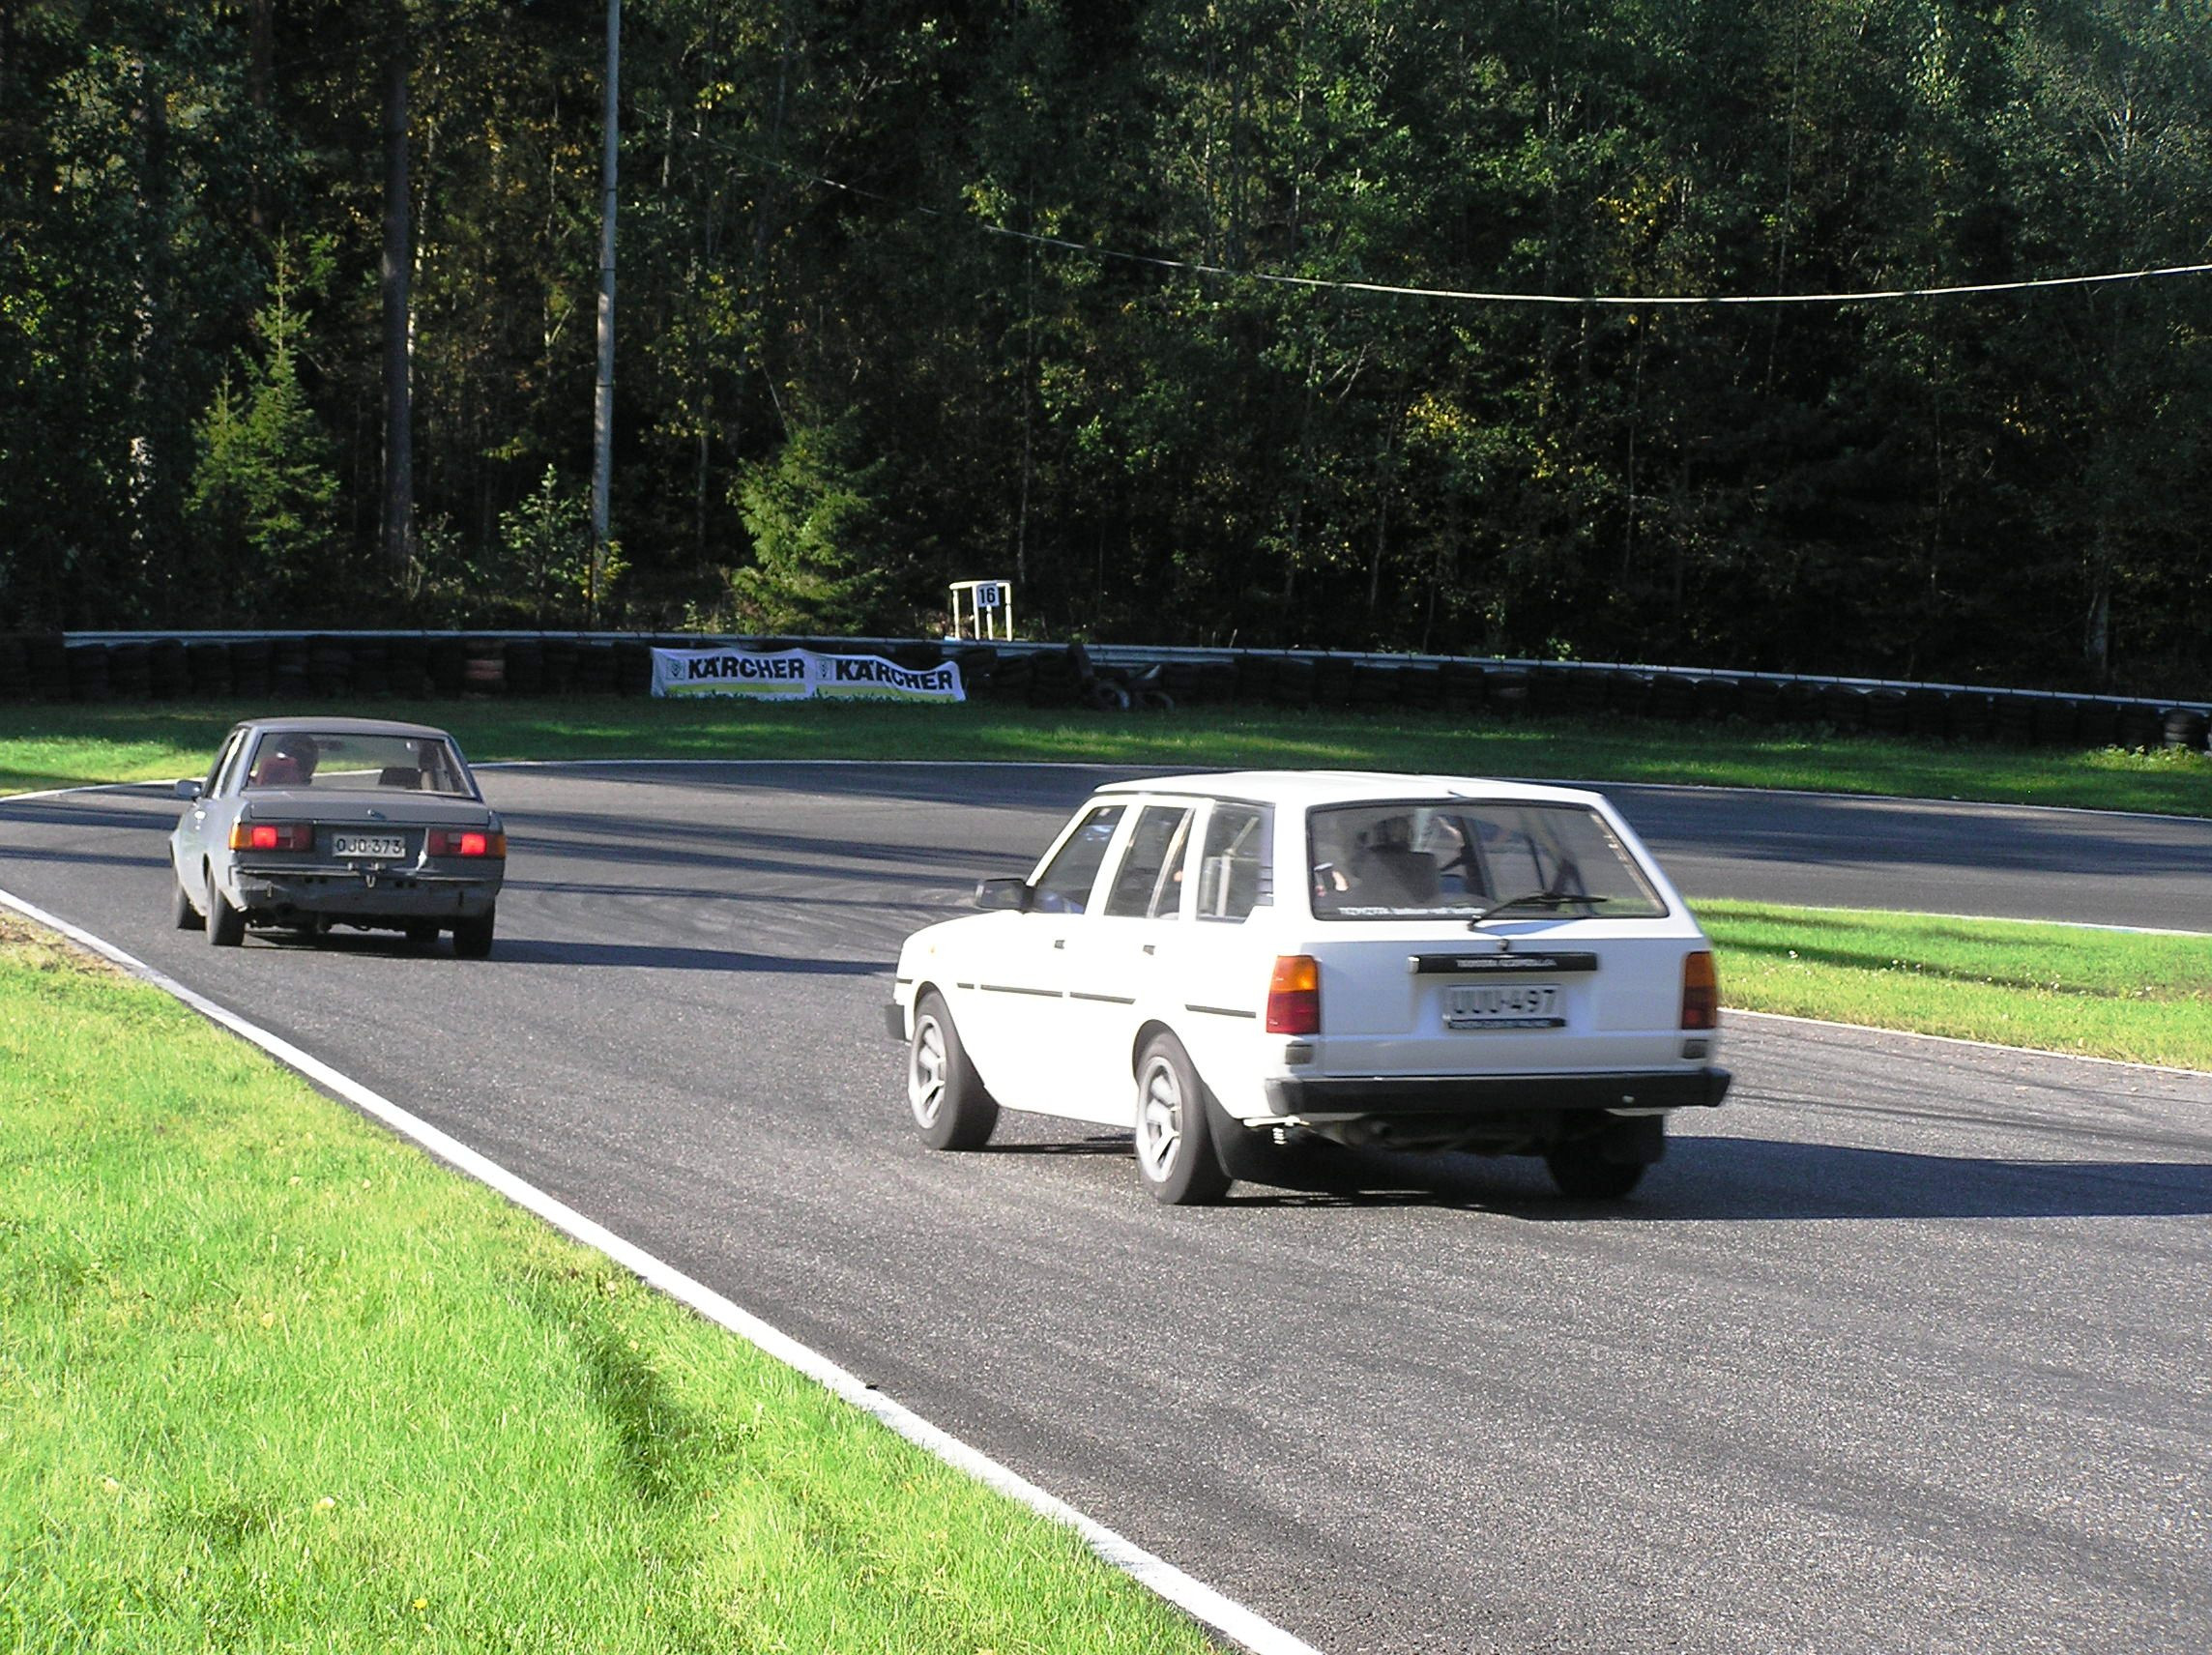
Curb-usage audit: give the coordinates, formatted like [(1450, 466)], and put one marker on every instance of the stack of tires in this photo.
[(596, 670), (88, 673), (129, 672), (1297, 681), (15, 669), (407, 666), (207, 669), (2184, 727), (371, 668), (1054, 678)]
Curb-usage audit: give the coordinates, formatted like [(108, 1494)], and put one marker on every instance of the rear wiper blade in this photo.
[(1536, 899)]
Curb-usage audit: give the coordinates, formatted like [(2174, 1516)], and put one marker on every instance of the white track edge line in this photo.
[(1211, 1608), (1977, 1045)]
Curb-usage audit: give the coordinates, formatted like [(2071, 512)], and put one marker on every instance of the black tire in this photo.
[(951, 1109), (1174, 1138), (180, 910), (225, 925), (472, 938), (1585, 1172), (421, 933)]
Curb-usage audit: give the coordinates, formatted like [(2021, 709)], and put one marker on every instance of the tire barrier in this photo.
[(1886, 711), (525, 672), (129, 672), (1926, 712), (1969, 715), (1843, 706), (483, 667), (2096, 724), (446, 666), (166, 674), (88, 678), (2141, 727), (1461, 684), (1674, 696), (2012, 719), (2185, 728), (1507, 689), (1628, 692), (15, 669), (1716, 699), (1296, 679), (2052, 721)]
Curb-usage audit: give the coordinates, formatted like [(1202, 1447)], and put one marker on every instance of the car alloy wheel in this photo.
[(1175, 1141), (225, 924), (925, 1073), (951, 1109)]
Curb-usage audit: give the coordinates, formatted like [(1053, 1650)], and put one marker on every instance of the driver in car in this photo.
[(291, 763)]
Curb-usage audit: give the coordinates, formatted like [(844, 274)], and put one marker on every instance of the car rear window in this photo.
[(348, 760), (1464, 858)]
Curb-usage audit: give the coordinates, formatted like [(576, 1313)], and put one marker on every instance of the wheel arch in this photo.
[(1148, 1030)]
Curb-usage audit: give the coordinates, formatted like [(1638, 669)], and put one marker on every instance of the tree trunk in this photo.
[(397, 272)]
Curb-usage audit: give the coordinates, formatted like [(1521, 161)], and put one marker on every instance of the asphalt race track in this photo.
[(1905, 1349)]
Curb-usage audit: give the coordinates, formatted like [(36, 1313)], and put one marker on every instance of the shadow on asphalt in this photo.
[(523, 952), (1743, 1179), (526, 951)]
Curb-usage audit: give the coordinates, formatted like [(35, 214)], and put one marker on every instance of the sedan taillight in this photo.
[(1700, 992), (1293, 996), (464, 842), (271, 835)]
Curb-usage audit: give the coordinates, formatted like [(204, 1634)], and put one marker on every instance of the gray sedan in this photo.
[(303, 823)]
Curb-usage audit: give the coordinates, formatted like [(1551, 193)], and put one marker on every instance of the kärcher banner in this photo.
[(797, 674)]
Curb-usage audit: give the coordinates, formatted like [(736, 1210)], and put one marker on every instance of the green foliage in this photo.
[(824, 543), (262, 506), (545, 567), (820, 214)]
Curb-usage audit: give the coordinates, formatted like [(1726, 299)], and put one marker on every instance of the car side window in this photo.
[(1148, 883), (1233, 864), (222, 761), (1064, 884)]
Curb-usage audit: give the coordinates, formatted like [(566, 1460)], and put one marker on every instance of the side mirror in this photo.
[(187, 788), (1011, 893)]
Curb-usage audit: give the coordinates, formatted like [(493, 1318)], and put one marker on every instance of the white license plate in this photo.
[(1502, 1005), (368, 844)]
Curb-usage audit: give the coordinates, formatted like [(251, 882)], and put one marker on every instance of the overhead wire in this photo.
[(1622, 300)]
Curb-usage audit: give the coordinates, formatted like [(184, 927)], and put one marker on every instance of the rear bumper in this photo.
[(342, 893), (1478, 1095)]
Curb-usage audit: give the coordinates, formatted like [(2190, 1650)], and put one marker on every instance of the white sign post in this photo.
[(983, 609)]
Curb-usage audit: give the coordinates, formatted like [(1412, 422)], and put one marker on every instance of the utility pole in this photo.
[(603, 405)]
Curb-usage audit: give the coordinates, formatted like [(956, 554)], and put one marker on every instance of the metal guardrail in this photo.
[(1138, 655), (1128, 656)]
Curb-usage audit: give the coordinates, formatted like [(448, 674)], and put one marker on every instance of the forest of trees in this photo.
[(298, 316)]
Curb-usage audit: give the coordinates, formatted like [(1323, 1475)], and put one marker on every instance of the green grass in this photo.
[(271, 1379), (63, 745), (2059, 988)]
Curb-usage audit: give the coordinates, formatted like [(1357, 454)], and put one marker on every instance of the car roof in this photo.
[(1306, 789), (345, 726)]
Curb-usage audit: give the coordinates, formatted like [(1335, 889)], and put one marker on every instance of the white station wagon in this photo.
[(1244, 965)]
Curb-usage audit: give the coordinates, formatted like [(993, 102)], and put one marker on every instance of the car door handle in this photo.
[(1059, 942), (1149, 949)]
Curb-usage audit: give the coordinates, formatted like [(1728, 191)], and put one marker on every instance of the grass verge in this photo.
[(65, 745), (272, 1380), (2057, 988)]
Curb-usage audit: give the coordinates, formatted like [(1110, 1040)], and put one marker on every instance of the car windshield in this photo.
[(353, 761), (1472, 859)]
